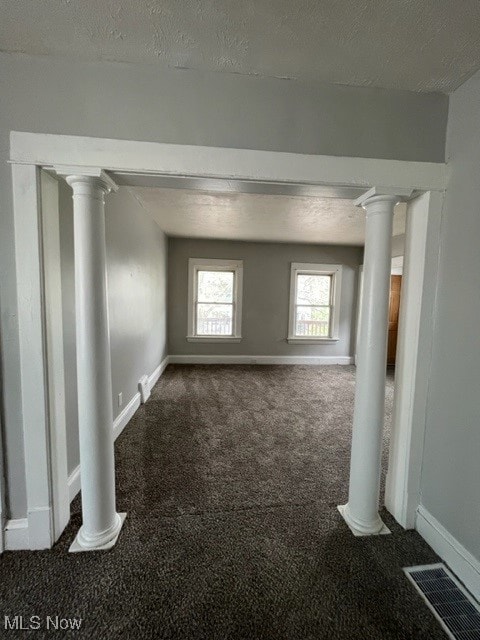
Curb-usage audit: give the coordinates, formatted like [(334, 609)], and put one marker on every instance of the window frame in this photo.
[(208, 264), (308, 268)]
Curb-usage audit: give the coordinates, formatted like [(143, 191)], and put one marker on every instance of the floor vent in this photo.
[(452, 605)]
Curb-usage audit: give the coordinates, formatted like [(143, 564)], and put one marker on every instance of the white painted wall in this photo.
[(397, 266), (68, 312), (49, 95), (450, 482), (137, 304), (266, 293), (398, 246)]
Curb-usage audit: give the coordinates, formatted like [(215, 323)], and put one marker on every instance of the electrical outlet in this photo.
[(120, 399)]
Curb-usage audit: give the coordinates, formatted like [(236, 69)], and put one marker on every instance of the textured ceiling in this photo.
[(246, 216), (420, 45)]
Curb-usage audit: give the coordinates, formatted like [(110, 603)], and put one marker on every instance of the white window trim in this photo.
[(334, 270), (198, 264)]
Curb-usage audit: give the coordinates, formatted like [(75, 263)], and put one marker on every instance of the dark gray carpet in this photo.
[(231, 477)]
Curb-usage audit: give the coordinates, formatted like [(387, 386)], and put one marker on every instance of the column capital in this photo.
[(87, 175), (383, 194)]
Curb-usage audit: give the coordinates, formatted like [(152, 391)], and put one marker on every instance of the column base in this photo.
[(376, 529), (106, 540)]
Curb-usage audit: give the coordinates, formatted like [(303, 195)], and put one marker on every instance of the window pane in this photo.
[(214, 319), (312, 321), (215, 286), (313, 289)]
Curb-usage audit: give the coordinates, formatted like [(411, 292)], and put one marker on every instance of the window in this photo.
[(214, 300), (314, 303)]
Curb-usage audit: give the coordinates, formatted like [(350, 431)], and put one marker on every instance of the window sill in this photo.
[(309, 340), (213, 339)]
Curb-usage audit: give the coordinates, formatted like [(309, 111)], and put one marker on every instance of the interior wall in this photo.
[(68, 311), (142, 102), (137, 301), (266, 293), (398, 246), (149, 102), (450, 479)]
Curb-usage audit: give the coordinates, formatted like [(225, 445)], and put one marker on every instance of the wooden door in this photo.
[(394, 308)]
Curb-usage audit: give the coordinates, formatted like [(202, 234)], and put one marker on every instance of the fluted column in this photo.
[(101, 523), (361, 511)]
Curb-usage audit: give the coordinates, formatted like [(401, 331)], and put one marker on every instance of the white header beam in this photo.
[(171, 159)]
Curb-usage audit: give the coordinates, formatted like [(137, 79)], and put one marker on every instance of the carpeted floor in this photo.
[(231, 477)]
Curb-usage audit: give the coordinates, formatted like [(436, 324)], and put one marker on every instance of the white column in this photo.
[(101, 523), (361, 511)]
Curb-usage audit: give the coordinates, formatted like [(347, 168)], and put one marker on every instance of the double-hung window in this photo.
[(214, 300), (314, 303)]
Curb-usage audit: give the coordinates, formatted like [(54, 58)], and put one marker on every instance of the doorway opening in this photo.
[(136, 162)]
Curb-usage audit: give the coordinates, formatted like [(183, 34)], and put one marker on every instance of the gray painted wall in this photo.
[(68, 311), (42, 94), (398, 246), (451, 464), (266, 290), (144, 102), (137, 301)]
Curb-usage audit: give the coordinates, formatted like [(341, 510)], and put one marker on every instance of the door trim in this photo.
[(414, 354)]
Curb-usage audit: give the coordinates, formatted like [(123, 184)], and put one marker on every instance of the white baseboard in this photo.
[(16, 534), (119, 425), (125, 416), (128, 412), (74, 483), (460, 561), (309, 360), (31, 533), (158, 371)]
